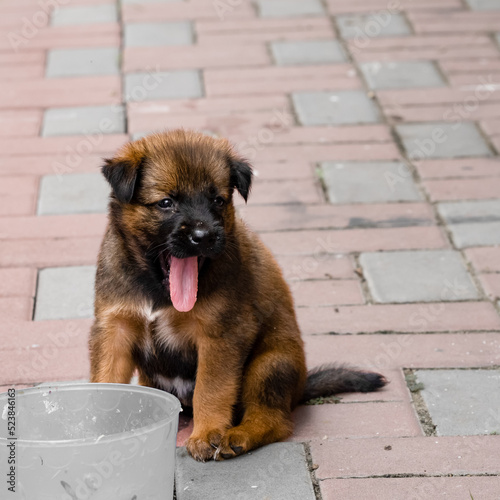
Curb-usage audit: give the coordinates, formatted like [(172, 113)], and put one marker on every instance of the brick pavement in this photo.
[(374, 129)]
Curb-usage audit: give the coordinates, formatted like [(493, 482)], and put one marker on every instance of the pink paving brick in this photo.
[(45, 363), (245, 124), (280, 79), (438, 53), (69, 150), (354, 240), (18, 195), (23, 72), (19, 308), (317, 267), (283, 170), (427, 456), (331, 135), (52, 226), (279, 26), (382, 352), (362, 6), (49, 252), (468, 79), (96, 35), (491, 127), (455, 21), (285, 191), (459, 167), (173, 11), (20, 123), (478, 110), (479, 65), (32, 335), (463, 189), (430, 317), (169, 58), (17, 282), (484, 259), (437, 96), (61, 162), (318, 422), (233, 37), (326, 292), (334, 216), (491, 285), (326, 152), (418, 488), (22, 58), (214, 105), (55, 92)]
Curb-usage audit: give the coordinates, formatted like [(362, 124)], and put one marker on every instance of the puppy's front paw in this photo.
[(202, 447), (235, 442)]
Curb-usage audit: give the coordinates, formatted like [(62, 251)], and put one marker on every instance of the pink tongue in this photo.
[(183, 282)]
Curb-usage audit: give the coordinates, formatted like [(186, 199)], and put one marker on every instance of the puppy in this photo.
[(192, 299)]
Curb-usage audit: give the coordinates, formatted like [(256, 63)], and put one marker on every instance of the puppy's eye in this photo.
[(219, 201), (166, 203)]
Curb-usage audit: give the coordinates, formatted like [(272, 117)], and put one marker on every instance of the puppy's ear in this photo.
[(122, 172), (241, 176)]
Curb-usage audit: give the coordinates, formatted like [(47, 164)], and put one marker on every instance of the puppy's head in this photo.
[(172, 198)]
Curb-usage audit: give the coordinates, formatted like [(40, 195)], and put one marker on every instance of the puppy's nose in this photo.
[(199, 235), (202, 237)]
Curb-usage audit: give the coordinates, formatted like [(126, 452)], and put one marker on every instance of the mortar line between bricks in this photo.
[(310, 466), (399, 332), (408, 475)]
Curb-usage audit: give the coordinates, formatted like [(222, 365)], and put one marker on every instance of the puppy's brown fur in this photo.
[(237, 356)]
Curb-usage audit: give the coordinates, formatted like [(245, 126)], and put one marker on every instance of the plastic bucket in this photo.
[(88, 441)]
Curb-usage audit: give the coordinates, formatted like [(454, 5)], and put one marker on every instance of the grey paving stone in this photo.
[(158, 34), (65, 292), (366, 26), (472, 223), (442, 140), (289, 8), (417, 276), (457, 212), (484, 4), (368, 182), (163, 85), (78, 62), (92, 14), (278, 471), (84, 120), (462, 402), (287, 53), (404, 74), (73, 194), (475, 234), (335, 108)]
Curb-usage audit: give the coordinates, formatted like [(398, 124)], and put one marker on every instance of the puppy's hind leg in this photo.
[(111, 344), (272, 386)]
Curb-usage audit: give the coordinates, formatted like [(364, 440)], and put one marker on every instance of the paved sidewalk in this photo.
[(374, 128)]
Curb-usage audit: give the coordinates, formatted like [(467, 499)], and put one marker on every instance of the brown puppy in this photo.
[(190, 297)]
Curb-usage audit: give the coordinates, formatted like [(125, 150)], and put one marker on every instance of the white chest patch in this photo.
[(182, 387)]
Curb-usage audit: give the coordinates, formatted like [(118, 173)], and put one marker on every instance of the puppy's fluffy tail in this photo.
[(327, 380)]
